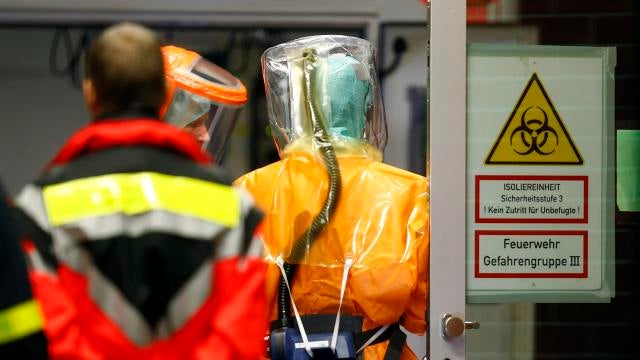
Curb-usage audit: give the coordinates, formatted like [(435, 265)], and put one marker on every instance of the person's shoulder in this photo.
[(260, 174), (214, 173), (393, 171), (133, 159)]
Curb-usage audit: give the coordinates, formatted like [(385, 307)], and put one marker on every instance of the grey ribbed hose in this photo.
[(324, 146)]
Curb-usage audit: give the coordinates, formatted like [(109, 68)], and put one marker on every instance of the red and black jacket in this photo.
[(139, 249), (17, 339)]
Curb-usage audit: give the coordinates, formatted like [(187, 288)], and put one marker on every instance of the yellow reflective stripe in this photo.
[(19, 321), (138, 193)]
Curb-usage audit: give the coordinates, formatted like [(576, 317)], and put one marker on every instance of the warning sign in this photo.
[(531, 254), (539, 210), (531, 199), (534, 133)]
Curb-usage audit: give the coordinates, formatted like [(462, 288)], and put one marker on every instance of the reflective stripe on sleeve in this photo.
[(19, 321), (31, 202), (138, 193)]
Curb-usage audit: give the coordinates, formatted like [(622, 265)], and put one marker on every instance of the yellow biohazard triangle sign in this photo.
[(534, 133)]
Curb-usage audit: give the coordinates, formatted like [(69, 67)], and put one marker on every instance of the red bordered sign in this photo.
[(581, 205), (579, 260)]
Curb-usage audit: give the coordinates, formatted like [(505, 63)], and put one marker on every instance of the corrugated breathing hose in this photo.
[(323, 143)]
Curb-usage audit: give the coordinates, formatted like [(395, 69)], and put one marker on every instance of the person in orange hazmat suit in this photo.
[(346, 235)]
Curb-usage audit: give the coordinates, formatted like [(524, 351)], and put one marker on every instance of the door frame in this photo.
[(446, 171)]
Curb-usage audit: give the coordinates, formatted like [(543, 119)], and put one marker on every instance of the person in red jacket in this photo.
[(138, 247), (21, 335)]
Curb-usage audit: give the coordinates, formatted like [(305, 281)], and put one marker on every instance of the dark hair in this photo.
[(125, 65)]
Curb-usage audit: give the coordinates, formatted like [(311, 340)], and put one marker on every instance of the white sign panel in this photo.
[(537, 214)]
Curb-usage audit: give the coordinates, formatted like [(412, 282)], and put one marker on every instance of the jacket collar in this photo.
[(106, 133)]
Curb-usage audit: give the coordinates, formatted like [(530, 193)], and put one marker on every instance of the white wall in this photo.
[(412, 71), (38, 111), (255, 12), (246, 6)]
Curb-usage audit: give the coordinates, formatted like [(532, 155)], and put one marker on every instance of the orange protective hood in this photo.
[(178, 70)]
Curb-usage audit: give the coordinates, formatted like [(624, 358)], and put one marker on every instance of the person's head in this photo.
[(199, 129), (202, 98), (333, 75), (124, 72)]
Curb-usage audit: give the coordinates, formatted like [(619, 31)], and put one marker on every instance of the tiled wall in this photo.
[(597, 331)]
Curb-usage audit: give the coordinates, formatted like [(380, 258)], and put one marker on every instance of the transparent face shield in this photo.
[(323, 97), (205, 99), (346, 89), (210, 123)]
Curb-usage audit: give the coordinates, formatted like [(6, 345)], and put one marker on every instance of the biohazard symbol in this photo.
[(534, 133)]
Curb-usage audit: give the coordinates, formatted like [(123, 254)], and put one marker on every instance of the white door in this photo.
[(446, 167)]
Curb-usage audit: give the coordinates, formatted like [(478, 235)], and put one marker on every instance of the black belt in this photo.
[(324, 323), (393, 333)]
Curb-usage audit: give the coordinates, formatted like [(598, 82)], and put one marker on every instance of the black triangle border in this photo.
[(534, 77)]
